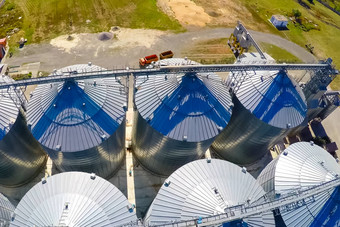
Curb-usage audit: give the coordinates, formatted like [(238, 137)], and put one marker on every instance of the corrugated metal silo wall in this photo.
[(103, 160), (246, 139), (21, 156), (160, 154)]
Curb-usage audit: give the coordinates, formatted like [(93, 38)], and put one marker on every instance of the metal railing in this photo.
[(74, 75), (289, 201)]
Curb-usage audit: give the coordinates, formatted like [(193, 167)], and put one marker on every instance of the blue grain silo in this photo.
[(21, 156), (178, 117), (267, 106), (81, 123)]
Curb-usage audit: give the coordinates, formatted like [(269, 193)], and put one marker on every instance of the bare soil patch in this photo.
[(187, 12), (210, 13), (122, 38)]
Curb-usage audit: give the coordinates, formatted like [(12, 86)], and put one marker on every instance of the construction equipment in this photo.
[(240, 40), (147, 60)]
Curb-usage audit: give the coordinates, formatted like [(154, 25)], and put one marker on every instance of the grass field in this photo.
[(216, 51), (279, 54), (46, 19)]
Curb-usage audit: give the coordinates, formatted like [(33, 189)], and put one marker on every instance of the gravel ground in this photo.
[(109, 54)]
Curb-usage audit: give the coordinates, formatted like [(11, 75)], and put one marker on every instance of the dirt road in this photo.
[(124, 51)]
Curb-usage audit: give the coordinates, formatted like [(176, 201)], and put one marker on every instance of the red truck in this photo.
[(148, 59)]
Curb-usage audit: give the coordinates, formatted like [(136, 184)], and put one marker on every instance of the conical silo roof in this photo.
[(272, 96), (6, 211), (73, 199), (76, 115), (300, 166), (204, 188), (192, 107), (268, 106), (9, 107)]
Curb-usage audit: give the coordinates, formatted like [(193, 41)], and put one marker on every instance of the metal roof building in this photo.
[(331, 103), (81, 124), (300, 166), (73, 199), (178, 117), (204, 188), (6, 211), (267, 106), (21, 157)]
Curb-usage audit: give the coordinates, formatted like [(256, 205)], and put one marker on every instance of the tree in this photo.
[(297, 14)]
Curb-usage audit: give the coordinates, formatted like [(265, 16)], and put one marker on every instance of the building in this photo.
[(178, 117), (6, 211), (205, 188), (73, 199), (21, 157), (300, 166), (81, 124), (332, 102), (267, 106), (279, 21)]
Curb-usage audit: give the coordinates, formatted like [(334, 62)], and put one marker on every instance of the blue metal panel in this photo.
[(81, 124), (268, 106), (188, 105), (275, 99), (330, 213), (178, 117), (236, 223)]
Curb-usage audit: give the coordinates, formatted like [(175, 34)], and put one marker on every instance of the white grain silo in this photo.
[(81, 123), (299, 167), (267, 106), (205, 188), (178, 117), (73, 199)]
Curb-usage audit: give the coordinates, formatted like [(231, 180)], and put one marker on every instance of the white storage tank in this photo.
[(178, 117), (205, 188), (300, 166), (81, 123), (267, 106), (74, 199)]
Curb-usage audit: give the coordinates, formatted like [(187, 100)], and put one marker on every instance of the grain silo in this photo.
[(178, 116), (6, 211), (81, 123), (205, 188), (301, 166), (73, 199), (267, 106), (21, 157)]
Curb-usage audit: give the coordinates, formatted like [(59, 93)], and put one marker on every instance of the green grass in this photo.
[(279, 54), (46, 19), (326, 40)]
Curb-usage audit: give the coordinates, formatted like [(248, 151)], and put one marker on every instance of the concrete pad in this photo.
[(332, 127)]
